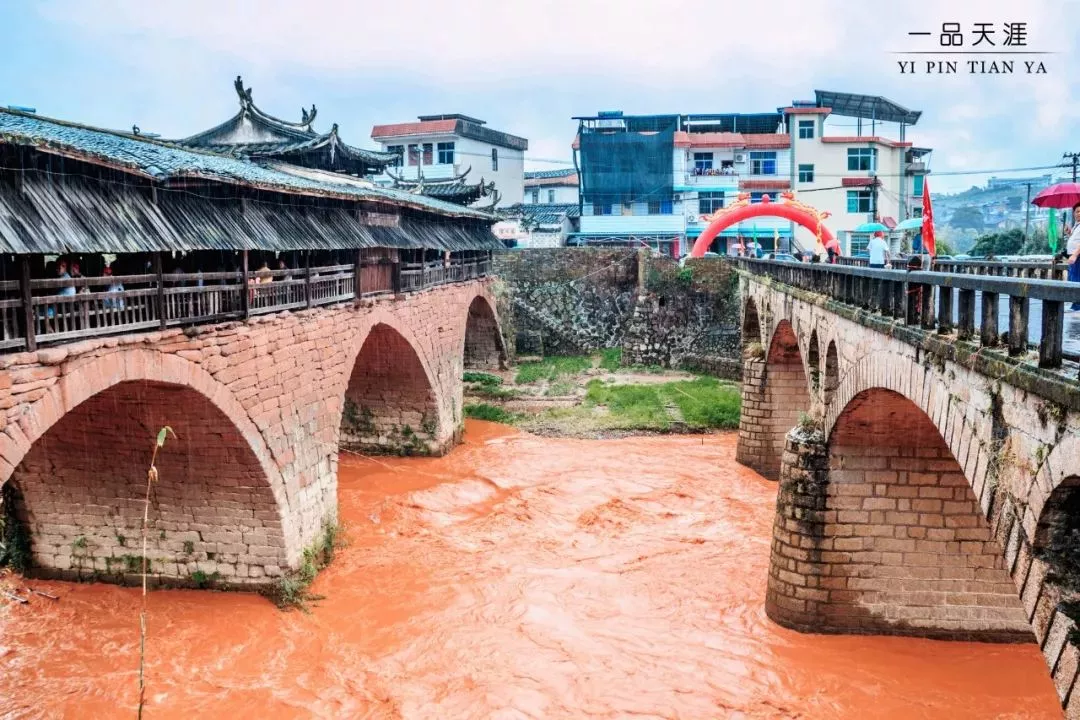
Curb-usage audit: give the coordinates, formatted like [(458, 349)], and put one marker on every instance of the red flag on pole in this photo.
[(928, 244)]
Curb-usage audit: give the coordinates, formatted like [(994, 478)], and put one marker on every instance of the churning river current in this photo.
[(517, 577)]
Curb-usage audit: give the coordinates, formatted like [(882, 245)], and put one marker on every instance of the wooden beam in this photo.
[(27, 302)]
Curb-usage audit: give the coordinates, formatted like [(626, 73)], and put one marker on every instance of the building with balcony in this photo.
[(455, 157), (654, 179), (856, 177)]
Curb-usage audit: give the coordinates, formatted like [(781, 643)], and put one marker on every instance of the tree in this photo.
[(1010, 242), (968, 216)]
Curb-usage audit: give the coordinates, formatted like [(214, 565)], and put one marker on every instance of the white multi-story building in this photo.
[(549, 214), (442, 148), (650, 179)]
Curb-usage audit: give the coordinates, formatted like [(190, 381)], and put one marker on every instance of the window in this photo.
[(414, 155), (862, 159), (762, 162), (495, 160), (446, 153), (806, 173), (600, 209), (702, 162), (806, 129), (755, 197), (917, 189), (427, 154), (535, 196), (709, 202), (551, 196), (659, 207), (860, 201), (398, 150), (916, 212)]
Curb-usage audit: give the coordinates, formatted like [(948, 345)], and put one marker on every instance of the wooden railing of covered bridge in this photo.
[(927, 299), (36, 311)]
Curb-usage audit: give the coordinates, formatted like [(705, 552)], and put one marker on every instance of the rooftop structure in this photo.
[(257, 135)]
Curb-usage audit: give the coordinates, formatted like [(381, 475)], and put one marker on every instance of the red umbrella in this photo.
[(1060, 196)]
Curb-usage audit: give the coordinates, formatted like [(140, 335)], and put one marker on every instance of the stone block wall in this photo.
[(572, 300), (82, 488)]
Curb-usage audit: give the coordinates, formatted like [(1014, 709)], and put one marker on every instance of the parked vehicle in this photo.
[(781, 257)]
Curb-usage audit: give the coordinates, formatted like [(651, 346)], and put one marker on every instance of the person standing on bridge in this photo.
[(878, 250), (1072, 249)]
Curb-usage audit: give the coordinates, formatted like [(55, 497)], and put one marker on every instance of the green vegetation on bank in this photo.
[(551, 368), (482, 378), (491, 413), (703, 402), (611, 359)]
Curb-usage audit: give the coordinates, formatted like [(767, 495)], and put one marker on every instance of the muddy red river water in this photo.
[(518, 577)]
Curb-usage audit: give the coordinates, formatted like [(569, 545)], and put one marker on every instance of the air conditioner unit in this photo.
[(690, 217), (740, 157)]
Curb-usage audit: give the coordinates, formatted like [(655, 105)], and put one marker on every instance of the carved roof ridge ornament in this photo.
[(248, 105)]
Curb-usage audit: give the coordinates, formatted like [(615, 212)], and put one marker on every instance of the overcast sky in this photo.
[(528, 67)]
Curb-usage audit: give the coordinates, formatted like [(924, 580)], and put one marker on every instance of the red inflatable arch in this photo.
[(743, 210)]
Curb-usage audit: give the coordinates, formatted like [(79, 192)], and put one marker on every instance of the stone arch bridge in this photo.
[(259, 409), (928, 463)]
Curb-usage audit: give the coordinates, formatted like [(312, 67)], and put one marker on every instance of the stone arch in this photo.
[(786, 394), (899, 535), (391, 403), (751, 323), (79, 457), (484, 347), (813, 363), (831, 377)]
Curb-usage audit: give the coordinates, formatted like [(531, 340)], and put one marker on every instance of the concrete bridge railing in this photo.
[(929, 467)]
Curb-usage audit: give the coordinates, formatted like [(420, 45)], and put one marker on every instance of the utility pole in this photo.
[(1074, 157), (1027, 213)]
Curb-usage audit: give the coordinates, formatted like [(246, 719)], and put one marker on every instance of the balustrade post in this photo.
[(884, 296), (357, 272), (1018, 325), (927, 297), (395, 275), (898, 308), (944, 315), (965, 328), (912, 311), (30, 331), (245, 297), (1053, 330), (307, 279), (988, 326), (160, 273)]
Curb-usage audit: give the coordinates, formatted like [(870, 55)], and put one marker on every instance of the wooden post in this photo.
[(965, 328), (395, 275), (30, 331), (988, 326), (245, 298), (927, 298), (1018, 325), (160, 273), (944, 315), (1053, 326), (307, 279), (911, 304), (358, 291)]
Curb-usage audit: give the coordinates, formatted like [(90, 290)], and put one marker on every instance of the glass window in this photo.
[(916, 212), (535, 196), (862, 159), (654, 207), (755, 197), (702, 162), (446, 153), (665, 207), (551, 196), (428, 153), (398, 150), (762, 162), (710, 202), (917, 188), (495, 161), (806, 129), (860, 201), (806, 173), (414, 155)]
